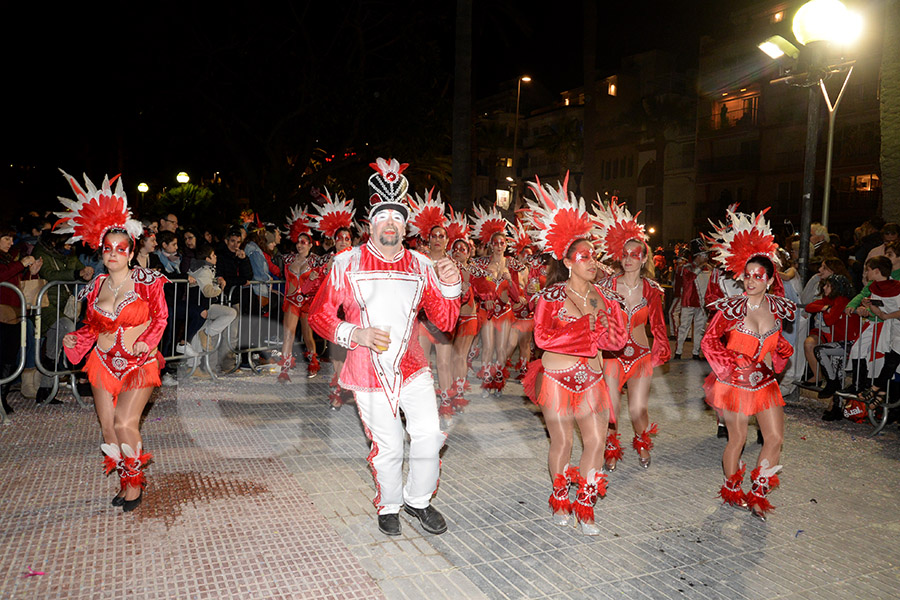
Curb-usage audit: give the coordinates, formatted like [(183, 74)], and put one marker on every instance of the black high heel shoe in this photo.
[(130, 505), (118, 500)]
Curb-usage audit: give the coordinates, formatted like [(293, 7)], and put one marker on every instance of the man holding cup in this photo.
[(382, 286)]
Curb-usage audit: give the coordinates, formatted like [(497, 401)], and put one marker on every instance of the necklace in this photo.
[(632, 289), (751, 307), (115, 289), (583, 298)]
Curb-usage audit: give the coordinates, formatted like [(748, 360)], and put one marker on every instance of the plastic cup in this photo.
[(386, 329)]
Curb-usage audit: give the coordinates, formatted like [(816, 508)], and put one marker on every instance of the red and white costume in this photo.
[(374, 290), (94, 213), (742, 380), (691, 281)]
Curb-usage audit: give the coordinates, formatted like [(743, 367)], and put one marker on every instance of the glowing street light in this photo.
[(182, 178), (817, 25), (522, 79), (143, 188)]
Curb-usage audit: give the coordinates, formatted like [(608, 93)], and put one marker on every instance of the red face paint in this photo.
[(583, 256), (636, 254), (757, 273), (119, 248)]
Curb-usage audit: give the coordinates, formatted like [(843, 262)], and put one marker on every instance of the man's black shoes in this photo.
[(432, 521), (389, 524)]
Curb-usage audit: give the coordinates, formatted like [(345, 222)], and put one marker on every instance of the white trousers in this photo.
[(697, 316), (385, 431)]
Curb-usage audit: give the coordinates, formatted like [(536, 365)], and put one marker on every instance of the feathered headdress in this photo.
[(745, 236), (333, 215), (521, 239), (299, 223), (388, 187), (617, 228), (425, 214), (457, 227), (486, 223), (96, 211), (558, 218)]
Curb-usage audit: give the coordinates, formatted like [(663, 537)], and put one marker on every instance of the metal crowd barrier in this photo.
[(20, 364), (878, 413), (259, 323)]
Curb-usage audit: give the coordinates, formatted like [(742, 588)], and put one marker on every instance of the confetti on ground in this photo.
[(799, 531), (31, 573)]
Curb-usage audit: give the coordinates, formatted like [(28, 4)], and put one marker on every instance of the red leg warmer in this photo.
[(643, 441), (732, 491), (613, 447), (559, 499), (588, 490), (760, 486)]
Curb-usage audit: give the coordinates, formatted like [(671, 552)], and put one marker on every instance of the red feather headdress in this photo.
[(457, 227), (299, 223), (425, 215), (96, 211), (521, 239), (559, 218), (618, 227), (334, 214), (744, 237), (486, 223)]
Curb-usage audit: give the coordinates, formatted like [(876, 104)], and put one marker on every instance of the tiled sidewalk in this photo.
[(259, 491)]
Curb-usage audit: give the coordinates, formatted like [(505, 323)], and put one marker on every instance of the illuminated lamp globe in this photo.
[(143, 188), (182, 177), (826, 21)]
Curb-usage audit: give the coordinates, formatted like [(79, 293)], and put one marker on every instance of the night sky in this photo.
[(153, 88)]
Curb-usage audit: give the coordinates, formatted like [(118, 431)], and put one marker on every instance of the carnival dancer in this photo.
[(495, 290), (625, 243), (461, 251), (428, 221), (745, 347), (381, 286), (302, 272), (529, 280), (574, 321), (125, 318), (691, 281), (335, 222)]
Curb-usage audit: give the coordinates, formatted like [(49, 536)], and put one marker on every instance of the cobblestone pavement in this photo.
[(260, 491)]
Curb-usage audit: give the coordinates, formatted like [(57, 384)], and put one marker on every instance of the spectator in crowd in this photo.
[(233, 264), (30, 232), (188, 248), (889, 233), (206, 287), (820, 246), (167, 252), (145, 256), (58, 318), (13, 269), (168, 222)]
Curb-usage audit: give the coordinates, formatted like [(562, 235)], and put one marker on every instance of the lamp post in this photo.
[(526, 79), (816, 25)]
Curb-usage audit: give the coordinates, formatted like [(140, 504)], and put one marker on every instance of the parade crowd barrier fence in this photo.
[(23, 332)]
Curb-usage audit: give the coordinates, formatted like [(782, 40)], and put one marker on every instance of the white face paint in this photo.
[(388, 227), (388, 215)]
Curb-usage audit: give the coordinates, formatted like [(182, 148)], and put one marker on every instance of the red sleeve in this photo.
[(679, 282), (783, 351), (483, 289), (661, 352), (442, 312), (323, 314), (513, 289), (9, 270), (720, 358), (714, 289), (818, 305), (835, 312), (159, 312)]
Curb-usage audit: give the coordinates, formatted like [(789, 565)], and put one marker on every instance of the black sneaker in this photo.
[(721, 432), (432, 521), (389, 524), (831, 386)]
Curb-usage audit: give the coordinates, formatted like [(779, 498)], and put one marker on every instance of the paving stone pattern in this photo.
[(260, 491)]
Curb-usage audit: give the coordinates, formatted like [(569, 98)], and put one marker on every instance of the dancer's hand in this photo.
[(69, 340), (140, 348), (447, 271), (372, 338)]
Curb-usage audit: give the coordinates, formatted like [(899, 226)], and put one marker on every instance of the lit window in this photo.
[(612, 89), (509, 162), (777, 17), (566, 101)]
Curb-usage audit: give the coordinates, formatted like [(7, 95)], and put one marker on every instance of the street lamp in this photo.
[(182, 178), (525, 79), (817, 24)]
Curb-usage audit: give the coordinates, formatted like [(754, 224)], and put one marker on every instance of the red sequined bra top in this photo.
[(145, 303)]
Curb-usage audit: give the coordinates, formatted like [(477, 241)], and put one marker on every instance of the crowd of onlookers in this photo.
[(213, 267)]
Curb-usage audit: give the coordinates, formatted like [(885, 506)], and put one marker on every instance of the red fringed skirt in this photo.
[(117, 370), (633, 360), (749, 390), (467, 325), (524, 325), (566, 389)]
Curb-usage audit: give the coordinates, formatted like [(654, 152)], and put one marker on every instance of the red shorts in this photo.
[(467, 325), (117, 370), (633, 360)]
